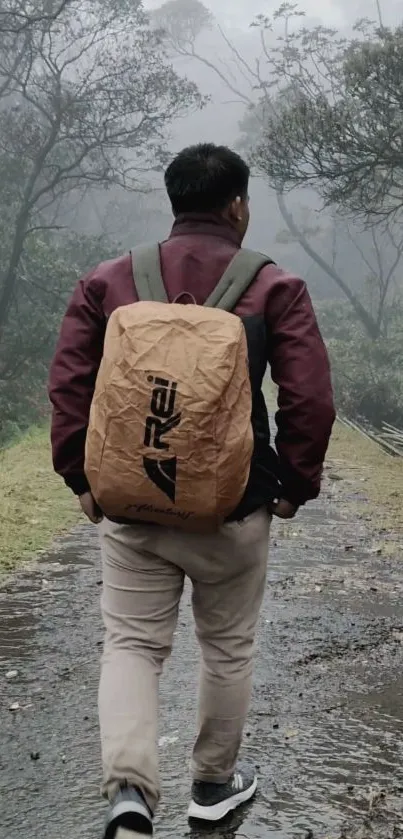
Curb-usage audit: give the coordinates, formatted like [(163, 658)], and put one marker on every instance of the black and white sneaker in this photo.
[(212, 802), (129, 816)]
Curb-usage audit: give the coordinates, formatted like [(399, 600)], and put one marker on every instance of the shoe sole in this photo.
[(217, 812), (129, 820)]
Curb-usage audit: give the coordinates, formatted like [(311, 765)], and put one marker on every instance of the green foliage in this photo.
[(50, 268), (87, 98), (334, 116), (367, 374), (34, 503)]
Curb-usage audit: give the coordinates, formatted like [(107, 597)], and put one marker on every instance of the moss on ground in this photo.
[(34, 503)]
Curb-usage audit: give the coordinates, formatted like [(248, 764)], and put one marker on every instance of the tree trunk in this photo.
[(10, 276), (371, 326)]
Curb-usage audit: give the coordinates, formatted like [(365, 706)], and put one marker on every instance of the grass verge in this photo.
[(34, 503), (355, 457)]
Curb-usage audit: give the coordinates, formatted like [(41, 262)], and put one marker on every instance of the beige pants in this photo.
[(144, 571)]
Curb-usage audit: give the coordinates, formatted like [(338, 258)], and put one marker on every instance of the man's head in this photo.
[(210, 179)]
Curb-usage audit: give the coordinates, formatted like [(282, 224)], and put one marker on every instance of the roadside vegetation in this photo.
[(34, 504), (376, 475), (79, 164), (322, 109)]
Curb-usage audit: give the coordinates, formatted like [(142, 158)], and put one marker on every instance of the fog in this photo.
[(68, 201), (338, 13)]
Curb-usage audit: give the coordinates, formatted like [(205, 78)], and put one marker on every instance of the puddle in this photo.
[(18, 623), (23, 600), (331, 768), (326, 725)]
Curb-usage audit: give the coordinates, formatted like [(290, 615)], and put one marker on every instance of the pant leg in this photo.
[(140, 604), (226, 602)]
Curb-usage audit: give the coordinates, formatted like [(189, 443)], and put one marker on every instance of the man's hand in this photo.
[(90, 508), (283, 509)]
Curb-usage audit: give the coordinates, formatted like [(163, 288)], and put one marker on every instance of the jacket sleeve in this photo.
[(72, 383), (300, 367)]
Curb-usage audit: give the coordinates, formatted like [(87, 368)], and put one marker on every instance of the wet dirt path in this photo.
[(326, 725)]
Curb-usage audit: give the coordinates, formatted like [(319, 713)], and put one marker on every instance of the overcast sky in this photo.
[(333, 12), (220, 124)]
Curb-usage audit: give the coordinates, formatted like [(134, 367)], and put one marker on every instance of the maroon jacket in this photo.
[(194, 259)]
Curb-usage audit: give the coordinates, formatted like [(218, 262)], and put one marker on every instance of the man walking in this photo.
[(144, 563)]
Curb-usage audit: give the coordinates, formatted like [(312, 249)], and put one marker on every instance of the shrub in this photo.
[(367, 374)]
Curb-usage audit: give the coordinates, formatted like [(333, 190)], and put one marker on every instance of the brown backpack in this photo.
[(170, 438)]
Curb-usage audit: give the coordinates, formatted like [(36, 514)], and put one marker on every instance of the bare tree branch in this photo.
[(364, 316), (17, 20), (338, 124), (281, 77), (86, 95)]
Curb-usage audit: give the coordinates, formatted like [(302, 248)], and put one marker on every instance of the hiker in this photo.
[(172, 459)]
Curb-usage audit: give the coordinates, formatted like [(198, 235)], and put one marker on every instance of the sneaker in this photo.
[(129, 816), (212, 802)]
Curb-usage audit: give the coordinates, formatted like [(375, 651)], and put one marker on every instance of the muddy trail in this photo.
[(326, 725)]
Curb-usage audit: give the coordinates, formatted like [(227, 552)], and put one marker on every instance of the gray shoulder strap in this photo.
[(239, 275), (147, 275)]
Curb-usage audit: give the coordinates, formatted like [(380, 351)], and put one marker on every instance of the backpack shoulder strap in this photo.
[(147, 275), (239, 275)]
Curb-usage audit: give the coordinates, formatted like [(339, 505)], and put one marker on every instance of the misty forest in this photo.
[(96, 96), (96, 99)]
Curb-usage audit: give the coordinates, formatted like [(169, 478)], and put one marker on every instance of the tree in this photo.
[(181, 22), (336, 121), (86, 99), (380, 251), (16, 16), (262, 84), (48, 270)]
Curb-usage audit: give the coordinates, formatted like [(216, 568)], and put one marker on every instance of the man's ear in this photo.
[(236, 213)]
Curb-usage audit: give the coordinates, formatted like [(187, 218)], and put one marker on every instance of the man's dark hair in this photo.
[(205, 179)]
